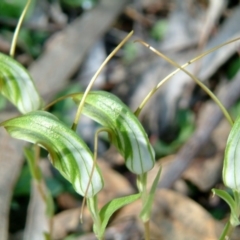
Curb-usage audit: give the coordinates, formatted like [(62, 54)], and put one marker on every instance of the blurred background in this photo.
[(63, 43)]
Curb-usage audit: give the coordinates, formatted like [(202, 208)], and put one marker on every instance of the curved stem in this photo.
[(142, 187), (137, 112), (229, 227), (207, 90), (93, 167), (80, 107), (226, 231), (16, 33), (60, 99)]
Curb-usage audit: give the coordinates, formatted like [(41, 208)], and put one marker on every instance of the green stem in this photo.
[(94, 165), (147, 230), (92, 206), (16, 33), (207, 90), (226, 231), (80, 107), (142, 187)]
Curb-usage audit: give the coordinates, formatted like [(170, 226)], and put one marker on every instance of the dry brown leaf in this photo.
[(205, 172), (175, 216), (66, 201), (65, 222), (220, 134), (113, 157)]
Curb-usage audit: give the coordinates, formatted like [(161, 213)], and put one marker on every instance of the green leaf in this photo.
[(128, 135), (231, 203), (111, 207), (231, 165), (146, 210), (17, 85), (68, 153)]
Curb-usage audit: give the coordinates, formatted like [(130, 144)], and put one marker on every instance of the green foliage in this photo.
[(231, 203), (231, 165), (17, 85), (185, 123), (68, 153), (146, 210), (14, 8), (71, 156), (114, 205), (127, 134), (3, 103), (31, 42)]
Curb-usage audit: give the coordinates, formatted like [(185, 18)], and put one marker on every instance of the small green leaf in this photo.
[(17, 85), (68, 153), (111, 207), (231, 165), (231, 203), (128, 135), (146, 210)]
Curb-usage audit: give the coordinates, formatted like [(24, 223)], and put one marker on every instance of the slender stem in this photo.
[(207, 90), (143, 181), (137, 112), (16, 33), (93, 167), (147, 230), (71, 95), (144, 196), (80, 107), (226, 231)]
